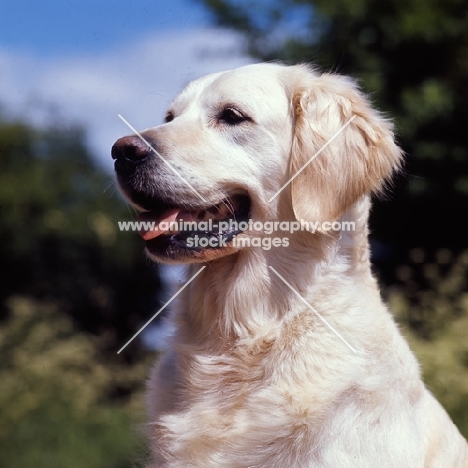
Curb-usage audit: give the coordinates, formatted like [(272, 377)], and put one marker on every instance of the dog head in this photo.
[(262, 142)]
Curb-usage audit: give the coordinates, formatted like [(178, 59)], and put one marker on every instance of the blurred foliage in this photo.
[(54, 396), (411, 56), (438, 316), (73, 291), (59, 237)]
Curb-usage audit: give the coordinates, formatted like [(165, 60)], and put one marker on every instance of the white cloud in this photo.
[(137, 80)]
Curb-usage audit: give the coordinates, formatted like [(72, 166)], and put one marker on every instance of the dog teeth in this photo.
[(207, 216)]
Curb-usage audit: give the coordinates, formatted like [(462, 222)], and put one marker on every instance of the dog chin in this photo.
[(172, 251)]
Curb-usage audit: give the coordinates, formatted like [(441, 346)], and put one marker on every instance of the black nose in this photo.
[(128, 152)]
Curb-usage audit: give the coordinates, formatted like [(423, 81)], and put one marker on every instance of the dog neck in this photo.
[(251, 292)]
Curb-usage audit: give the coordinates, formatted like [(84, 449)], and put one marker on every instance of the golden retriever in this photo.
[(285, 355)]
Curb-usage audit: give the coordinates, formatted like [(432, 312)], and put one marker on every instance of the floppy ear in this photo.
[(342, 148)]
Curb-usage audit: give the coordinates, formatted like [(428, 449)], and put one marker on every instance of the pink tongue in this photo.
[(153, 221)]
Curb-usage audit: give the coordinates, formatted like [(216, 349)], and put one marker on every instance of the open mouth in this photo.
[(172, 231)]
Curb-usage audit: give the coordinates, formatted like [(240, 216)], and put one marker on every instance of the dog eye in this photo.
[(169, 117), (232, 116)]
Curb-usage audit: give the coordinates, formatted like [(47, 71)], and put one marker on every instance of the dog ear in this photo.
[(342, 148)]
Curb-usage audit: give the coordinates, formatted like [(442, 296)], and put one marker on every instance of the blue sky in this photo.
[(55, 27)]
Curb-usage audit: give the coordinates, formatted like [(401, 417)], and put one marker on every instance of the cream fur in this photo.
[(253, 378)]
